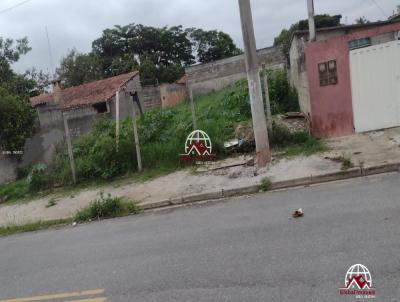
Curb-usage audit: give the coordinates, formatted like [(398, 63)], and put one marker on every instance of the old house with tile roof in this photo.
[(81, 105)]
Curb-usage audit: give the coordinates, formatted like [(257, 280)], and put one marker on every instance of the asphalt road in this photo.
[(244, 249)]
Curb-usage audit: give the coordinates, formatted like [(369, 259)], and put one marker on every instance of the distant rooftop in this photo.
[(350, 27), (89, 93)]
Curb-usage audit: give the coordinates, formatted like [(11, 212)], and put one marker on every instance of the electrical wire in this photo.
[(14, 6), (380, 8)]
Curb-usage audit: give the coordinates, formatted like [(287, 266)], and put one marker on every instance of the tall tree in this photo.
[(16, 114), (77, 68), (362, 20), (212, 45), (284, 39), (122, 49), (16, 121)]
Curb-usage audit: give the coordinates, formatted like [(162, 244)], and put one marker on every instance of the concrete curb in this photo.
[(296, 182)]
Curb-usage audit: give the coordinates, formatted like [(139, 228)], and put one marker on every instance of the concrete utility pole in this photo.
[(311, 21), (263, 153)]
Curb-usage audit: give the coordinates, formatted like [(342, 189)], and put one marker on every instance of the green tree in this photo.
[(362, 20), (148, 72), (120, 49), (282, 96), (77, 68), (21, 85), (16, 114), (212, 45), (284, 39), (126, 44), (16, 121), (10, 52)]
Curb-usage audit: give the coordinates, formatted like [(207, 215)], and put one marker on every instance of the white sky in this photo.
[(76, 23)]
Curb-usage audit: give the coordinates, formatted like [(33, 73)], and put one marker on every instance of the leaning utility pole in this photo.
[(263, 153)]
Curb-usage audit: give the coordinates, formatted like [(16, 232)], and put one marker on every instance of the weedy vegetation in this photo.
[(162, 135), (106, 207), (265, 184), (31, 227)]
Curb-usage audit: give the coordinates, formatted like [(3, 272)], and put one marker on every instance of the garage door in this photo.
[(375, 84)]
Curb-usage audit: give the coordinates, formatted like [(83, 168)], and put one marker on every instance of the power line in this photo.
[(14, 6), (380, 8)]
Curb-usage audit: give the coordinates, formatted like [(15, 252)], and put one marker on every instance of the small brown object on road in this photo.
[(298, 213)]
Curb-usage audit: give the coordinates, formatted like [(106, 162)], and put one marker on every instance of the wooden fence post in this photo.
[(69, 144)]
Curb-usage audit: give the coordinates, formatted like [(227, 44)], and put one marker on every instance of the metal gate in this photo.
[(375, 85)]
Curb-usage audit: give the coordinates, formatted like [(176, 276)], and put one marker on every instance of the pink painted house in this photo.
[(348, 80)]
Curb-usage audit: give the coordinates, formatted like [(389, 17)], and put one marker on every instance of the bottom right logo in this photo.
[(358, 282)]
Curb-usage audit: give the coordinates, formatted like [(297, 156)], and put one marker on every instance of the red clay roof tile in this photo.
[(89, 93)]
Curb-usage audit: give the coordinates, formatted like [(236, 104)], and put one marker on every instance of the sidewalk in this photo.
[(371, 153)]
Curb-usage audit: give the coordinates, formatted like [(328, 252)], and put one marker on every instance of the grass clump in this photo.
[(51, 203), (14, 191), (294, 143), (31, 227), (106, 207), (346, 163), (265, 184)]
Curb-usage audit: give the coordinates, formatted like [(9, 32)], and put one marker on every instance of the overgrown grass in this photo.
[(162, 136), (292, 144), (30, 227), (106, 207), (14, 191), (346, 163)]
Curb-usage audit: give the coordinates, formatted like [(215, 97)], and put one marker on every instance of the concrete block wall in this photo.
[(204, 78), (298, 74), (150, 97), (8, 168), (50, 132)]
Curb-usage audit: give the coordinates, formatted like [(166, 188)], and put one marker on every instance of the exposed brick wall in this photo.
[(172, 94)]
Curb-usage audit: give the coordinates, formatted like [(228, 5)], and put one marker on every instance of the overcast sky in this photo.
[(76, 23)]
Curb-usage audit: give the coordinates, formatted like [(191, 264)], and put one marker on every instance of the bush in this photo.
[(38, 178), (283, 97), (96, 154), (13, 191), (106, 207), (295, 143), (281, 136), (265, 184)]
